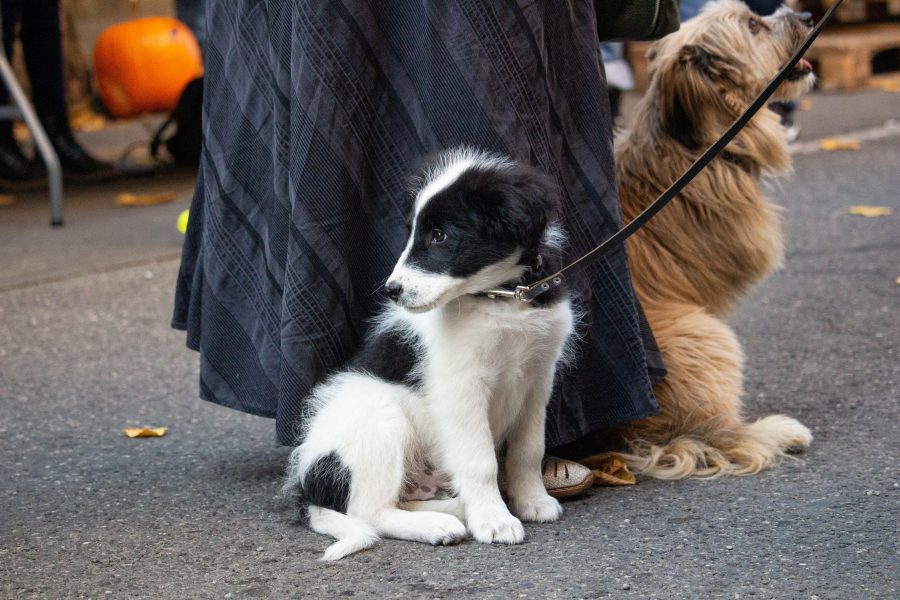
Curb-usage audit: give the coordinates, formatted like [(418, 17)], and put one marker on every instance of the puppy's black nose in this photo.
[(805, 18), (393, 290)]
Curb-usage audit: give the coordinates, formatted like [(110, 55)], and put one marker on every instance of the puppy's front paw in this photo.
[(537, 509), (496, 527)]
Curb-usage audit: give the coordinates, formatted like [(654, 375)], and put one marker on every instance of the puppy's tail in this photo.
[(744, 449), (351, 533)]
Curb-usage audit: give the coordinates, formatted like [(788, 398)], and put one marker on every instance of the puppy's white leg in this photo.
[(528, 499), (435, 528), (450, 506), (466, 447)]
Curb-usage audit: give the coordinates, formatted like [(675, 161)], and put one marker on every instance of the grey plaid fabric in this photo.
[(314, 115)]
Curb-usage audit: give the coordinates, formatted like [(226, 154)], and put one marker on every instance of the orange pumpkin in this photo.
[(143, 65)]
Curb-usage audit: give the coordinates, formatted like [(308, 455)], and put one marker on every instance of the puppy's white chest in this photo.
[(502, 350)]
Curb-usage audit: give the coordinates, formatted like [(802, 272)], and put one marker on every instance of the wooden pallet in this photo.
[(843, 56)]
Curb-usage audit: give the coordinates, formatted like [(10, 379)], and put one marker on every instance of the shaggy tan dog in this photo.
[(697, 257)]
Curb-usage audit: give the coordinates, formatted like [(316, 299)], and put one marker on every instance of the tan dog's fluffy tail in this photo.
[(744, 449)]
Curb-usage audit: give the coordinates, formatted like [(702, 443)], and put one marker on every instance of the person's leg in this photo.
[(618, 73), (42, 45), (14, 165), (11, 10), (787, 111)]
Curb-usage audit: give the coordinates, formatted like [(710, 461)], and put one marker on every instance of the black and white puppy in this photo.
[(446, 376)]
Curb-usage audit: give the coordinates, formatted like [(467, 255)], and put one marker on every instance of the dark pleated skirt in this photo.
[(314, 114)]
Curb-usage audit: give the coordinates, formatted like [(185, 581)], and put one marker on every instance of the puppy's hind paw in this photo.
[(537, 509)]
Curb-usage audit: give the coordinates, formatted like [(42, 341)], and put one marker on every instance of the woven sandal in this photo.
[(565, 478)]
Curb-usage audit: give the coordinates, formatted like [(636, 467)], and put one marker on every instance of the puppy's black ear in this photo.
[(530, 202)]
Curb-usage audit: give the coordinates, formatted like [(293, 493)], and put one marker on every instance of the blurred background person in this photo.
[(192, 14), (37, 23), (619, 78)]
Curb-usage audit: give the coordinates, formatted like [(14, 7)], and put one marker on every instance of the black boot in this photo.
[(74, 159), (14, 166)]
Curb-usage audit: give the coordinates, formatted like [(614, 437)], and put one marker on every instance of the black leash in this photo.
[(527, 293)]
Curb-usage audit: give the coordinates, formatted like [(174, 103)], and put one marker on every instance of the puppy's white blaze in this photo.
[(451, 166), (442, 181)]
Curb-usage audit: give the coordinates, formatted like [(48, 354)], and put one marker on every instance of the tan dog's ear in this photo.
[(695, 81), (716, 68), (696, 56), (685, 91)]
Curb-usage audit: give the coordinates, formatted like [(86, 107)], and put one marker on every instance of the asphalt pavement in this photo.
[(88, 513)]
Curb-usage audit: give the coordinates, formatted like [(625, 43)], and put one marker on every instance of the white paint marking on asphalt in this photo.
[(891, 128)]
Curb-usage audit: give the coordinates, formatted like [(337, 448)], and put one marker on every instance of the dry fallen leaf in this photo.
[(805, 104), (7, 199), (21, 132), (609, 469), (126, 199), (83, 118), (862, 210), (142, 432), (832, 144), (897, 280)]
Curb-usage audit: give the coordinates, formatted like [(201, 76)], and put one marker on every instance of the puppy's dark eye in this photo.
[(754, 25), (438, 236)]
